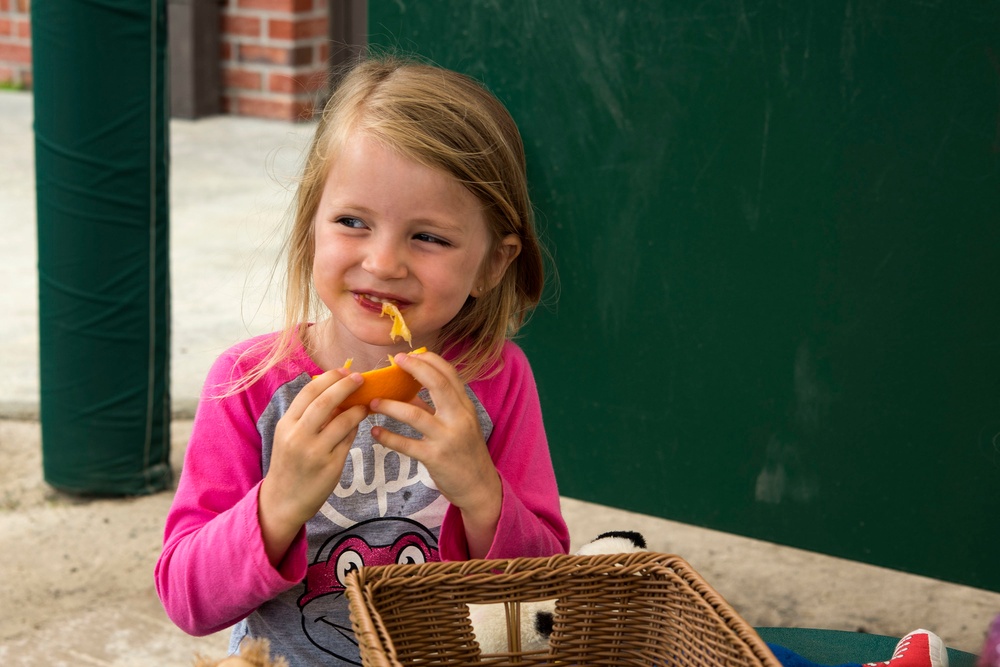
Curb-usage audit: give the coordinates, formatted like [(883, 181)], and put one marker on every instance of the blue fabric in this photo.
[(789, 658)]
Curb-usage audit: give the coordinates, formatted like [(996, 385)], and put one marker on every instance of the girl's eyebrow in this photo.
[(339, 207), (444, 225)]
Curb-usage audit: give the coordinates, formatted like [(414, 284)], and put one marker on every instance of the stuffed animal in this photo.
[(253, 653), (489, 621)]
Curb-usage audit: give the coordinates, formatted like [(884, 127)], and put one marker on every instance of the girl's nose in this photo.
[(385, 260)]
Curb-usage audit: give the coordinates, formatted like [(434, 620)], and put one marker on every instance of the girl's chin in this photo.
[(368, 331), (379, 338)]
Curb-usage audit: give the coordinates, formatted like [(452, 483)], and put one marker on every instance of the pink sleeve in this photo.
[(531, 522), (213, 570)]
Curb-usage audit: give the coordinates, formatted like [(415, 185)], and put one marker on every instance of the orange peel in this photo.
[(390, 382)]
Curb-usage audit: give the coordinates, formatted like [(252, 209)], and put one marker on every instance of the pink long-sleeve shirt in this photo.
[(213, 572)]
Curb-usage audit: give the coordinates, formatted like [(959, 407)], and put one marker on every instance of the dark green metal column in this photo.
[(101, 162)]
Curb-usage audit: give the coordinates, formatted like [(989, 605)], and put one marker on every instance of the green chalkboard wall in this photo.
[(777, 233)]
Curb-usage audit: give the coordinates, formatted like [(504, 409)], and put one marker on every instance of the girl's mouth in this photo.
[(374, 303)]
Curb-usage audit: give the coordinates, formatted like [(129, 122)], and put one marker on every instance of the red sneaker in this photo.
[(920, 648)]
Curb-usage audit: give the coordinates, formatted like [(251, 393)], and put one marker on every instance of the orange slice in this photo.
[(390, 382), (399, 328)]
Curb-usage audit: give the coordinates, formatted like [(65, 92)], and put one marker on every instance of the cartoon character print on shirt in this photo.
[(375, 542)]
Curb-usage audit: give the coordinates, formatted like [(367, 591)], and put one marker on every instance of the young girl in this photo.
[(413, 192)]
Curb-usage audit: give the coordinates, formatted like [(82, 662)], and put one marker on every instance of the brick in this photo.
[(6, 27), (300, 82), (280, 82), (23, 6), (4, 5), (304, 55), (288, 6), (280, 29), (297, 29), (15, 53), (242, 78), (23, 29), (279, 108), (269, 55), (241, 26)]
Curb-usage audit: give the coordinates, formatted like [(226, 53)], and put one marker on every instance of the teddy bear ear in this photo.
[(614, 542)]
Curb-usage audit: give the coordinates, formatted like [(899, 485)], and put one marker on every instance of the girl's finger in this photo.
[(397, 443), (314, 388), (347, 420), (345, 425), (420, 403), (421, 418), (318, 412), (434, 373)]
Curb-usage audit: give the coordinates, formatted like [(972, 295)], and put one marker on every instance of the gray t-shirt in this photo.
[(385, 510)]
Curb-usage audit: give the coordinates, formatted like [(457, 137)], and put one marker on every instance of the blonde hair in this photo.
[(443, 120)]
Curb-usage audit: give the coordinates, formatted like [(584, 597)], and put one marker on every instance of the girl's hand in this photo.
[(453, 449), (311, 441)]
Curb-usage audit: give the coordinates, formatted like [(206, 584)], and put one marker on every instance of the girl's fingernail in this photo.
[(356, 377)]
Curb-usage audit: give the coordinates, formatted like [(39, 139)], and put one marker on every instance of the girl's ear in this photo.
[(506, 251)]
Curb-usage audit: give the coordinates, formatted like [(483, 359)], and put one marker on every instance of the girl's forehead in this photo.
[(367, 174), (371, 139)]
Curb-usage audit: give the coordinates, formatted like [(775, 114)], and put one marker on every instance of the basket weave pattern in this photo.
[(616, 609)]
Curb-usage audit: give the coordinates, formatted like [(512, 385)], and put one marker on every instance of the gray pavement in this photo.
[(230, 187)]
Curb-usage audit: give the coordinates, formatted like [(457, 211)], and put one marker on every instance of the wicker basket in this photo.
[(617, 609)]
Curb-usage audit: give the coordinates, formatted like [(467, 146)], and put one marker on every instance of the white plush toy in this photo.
[(489, 622)]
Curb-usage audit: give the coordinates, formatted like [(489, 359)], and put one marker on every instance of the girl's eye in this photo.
[(428, 238), (353, 223)]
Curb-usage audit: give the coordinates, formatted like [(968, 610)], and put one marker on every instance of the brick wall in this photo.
[(274, 57), (15, 43), (274, 54)]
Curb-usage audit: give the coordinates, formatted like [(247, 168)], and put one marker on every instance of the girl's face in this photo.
[(391, 229)]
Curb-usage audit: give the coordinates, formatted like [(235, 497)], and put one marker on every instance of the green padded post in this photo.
[(101, 162)]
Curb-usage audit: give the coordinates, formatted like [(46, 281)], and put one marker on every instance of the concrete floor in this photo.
[(62, 557)]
